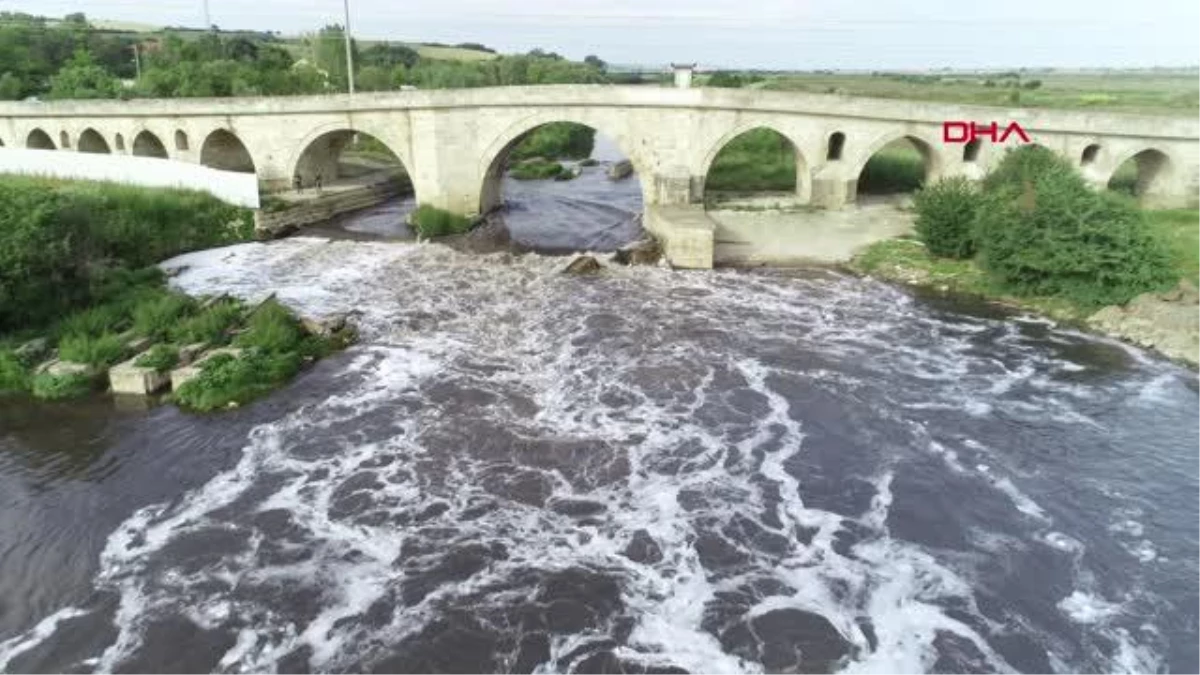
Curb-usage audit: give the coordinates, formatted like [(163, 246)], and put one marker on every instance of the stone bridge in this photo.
[(453, 143)]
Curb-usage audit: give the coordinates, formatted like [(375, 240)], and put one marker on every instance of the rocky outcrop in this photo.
[(584, 264), (621, 169), (641, 252), (1168, 322)]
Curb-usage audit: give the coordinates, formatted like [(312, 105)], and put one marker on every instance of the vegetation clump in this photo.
[(160, 357), (430, 221), (538, 169), (758, 160), (945, 217), (556, 140), (1036, 229)]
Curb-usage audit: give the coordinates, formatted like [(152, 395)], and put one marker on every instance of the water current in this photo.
[(643, 470)]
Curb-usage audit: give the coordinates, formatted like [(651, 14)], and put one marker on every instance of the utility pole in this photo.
[(349, 51), (207, 19), (137, 62)]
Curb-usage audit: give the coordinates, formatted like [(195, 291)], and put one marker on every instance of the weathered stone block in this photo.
[(129, 378)]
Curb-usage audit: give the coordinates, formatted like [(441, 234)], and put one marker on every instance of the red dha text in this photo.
[(965, 132)]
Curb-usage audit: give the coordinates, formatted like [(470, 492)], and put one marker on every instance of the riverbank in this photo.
[(1167, 321), (83, 308)]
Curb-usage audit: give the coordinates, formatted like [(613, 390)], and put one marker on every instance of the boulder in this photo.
[(584, 264), (32, 350), (129, 378), (641, 252), (621, 169)]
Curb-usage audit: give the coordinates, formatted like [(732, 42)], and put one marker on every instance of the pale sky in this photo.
[(784, 34)]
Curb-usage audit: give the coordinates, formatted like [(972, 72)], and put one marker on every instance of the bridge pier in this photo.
[(831, 188)]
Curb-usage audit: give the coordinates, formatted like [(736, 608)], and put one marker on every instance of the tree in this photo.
[(330, 51), (388, 56), (373, 78), (10, 87), (82, 78), (595, 62)]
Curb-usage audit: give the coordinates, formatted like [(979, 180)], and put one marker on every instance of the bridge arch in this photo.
[(39, 140), (321, 153), (146, 144), (223, 150), (495, 157), (790, 168), (1143, 173), (895, 173), (91, 141)]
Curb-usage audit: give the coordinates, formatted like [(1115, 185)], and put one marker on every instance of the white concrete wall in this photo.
[(236, 188)]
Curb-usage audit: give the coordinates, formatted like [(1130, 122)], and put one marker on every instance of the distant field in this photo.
[(1153, 92)]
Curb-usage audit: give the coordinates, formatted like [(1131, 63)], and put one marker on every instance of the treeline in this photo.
[(71, 59)]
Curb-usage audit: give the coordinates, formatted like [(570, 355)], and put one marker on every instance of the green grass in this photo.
[(157, 316), (430, 221), (59, 387), (272, 328), (1180, 229), (210, 325), (1160, 92), (537, 169), (907, 261), (99, 351), (760, 160), (897, 167), (161, 357), (14, 373)]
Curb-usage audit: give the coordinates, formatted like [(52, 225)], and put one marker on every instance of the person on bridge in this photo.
[(298, 183), (318, 181)]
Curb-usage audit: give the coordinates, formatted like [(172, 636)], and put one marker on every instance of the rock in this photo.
[(33, 350), (584, 264), (642, 252), (182, 374), (129, 378), (138, 344), (324, 327), (189, 353), (621, 169), (1168, 322), (59, 368), (588, 162), (643, 549)]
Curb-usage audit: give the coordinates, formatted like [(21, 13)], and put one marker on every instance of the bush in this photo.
[(57, 387), (1058, 237), (1026, 163), (226, 379), (556, 140), (161, 358), (59, 239), (14, 373), (211, 325), (99, 351), (430, 221), (946, 217), (537, 169)]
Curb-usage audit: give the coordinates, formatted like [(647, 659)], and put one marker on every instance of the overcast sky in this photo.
[(800, 34)]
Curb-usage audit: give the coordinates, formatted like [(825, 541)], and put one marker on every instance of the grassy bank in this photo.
[(79, 292), (908, 261)]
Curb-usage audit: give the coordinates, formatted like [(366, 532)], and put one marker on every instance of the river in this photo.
[(638, 471)]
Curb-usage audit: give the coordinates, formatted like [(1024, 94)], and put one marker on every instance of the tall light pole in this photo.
[(207, 19), (349, 51)]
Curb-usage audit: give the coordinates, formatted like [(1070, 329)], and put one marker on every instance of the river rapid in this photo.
[(643, 470)]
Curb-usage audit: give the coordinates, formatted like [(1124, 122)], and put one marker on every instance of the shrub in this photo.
[(159, 314), (57, 387), (97, 321), (14, 373), (1058, 237), (226, 379), (946, 217), (210, 325), (1026, 163), (99, 351), (557, 140), (161, 358), (430, 221), (537, 169)]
